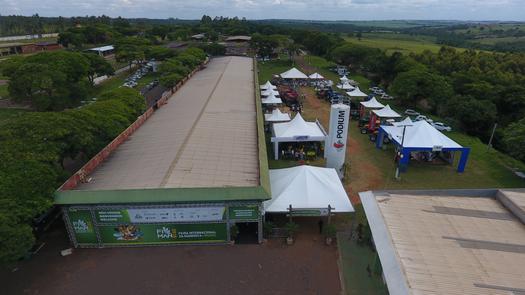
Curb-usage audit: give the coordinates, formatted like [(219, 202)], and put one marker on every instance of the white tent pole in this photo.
[(276, 149)]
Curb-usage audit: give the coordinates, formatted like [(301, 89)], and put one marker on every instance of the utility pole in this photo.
[(489, 145)]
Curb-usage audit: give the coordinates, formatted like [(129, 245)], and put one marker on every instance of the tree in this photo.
[(51, 80), (413, 86), (292, 49), (98, 66), (514, 139), (131, 49)]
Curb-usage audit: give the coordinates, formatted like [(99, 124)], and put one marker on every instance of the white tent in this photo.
[(293, 73), (372, 104), (297, 130), (269, 92), (406, 122), (271, 99), (420, 135), (357, 93), (345, 86), (277, 116), (307, 187), (316, 76), (386, 112), (344, 79), (268, 85)]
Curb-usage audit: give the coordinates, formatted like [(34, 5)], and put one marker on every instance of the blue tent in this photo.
[(420, 136)]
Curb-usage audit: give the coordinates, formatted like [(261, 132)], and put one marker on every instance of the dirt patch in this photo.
[(362, 174), (307, 267), (3, 82)]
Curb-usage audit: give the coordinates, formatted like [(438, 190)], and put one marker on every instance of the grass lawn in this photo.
[(269, 68), (396, 42)]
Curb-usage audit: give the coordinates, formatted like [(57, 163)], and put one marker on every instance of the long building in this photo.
[(449, 241), (194, 169)]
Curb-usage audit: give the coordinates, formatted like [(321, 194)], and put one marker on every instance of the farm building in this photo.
[(449, 241), (189, 173)]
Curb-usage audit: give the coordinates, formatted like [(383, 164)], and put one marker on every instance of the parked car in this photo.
[(421, 118), (411, 112), (441, 126)]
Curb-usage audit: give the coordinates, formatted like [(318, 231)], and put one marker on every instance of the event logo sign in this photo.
[(82, 226), (163, 233), (154, 215)]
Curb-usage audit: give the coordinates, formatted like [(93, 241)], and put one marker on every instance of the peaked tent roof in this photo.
[(420, 135), (269, 92), (372, 104), (271, 99), (357, 93), (298, 127), (307, 187), (293, 73), (406, 122), (277, 116), (267, 86), (386, 112), (344, 79), (316, 76), (345, 86)]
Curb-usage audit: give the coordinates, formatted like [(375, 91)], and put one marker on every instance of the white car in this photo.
[(441, 126), (411, 112)]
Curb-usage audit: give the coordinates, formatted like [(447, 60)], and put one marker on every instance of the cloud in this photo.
[(265, 9)]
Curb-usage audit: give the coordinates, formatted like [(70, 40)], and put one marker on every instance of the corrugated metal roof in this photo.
[(206, 136), (447, 244)]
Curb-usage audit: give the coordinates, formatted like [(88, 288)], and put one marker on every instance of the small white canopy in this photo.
[(386, 112), (420, 135), (357, 93), (268, 85), (372, 104), (307, 187), (277, 116), (269, 92), (271, 99), (298, 127), (344, 79), (316, 76), (293, 73), (297, 130), (345, 86)]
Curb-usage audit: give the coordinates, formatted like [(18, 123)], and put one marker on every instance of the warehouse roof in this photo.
[(205, 138), (448, 242)]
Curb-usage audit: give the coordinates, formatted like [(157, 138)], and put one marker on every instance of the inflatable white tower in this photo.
[(335, 145)]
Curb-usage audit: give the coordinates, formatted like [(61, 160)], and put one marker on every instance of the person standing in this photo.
[(320, 223)]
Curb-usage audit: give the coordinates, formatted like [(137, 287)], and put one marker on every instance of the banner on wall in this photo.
[(163, 233), (82, 226), (155, 215)]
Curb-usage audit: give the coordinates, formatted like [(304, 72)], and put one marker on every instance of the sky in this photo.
[(506, 10)]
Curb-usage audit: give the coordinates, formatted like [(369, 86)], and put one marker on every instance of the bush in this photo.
[(291, 228)]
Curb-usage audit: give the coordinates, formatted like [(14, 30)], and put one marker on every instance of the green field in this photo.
[(392, 42)]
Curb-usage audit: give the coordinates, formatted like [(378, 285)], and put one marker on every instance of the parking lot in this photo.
[(308, 267)]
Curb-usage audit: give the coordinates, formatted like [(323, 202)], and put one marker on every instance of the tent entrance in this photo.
[(247, 233)]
